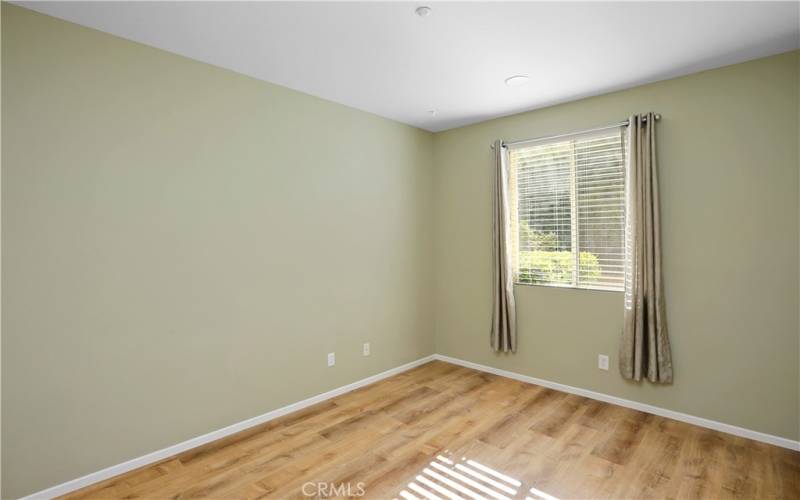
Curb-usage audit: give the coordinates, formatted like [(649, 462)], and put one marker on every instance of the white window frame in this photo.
[(574, 226)]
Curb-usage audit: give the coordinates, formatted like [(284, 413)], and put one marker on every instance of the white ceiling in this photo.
[(382, 58)]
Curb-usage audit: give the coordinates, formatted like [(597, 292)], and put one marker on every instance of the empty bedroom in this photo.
[(400, 250)]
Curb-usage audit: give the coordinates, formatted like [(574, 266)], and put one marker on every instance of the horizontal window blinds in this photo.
[(568, 210)]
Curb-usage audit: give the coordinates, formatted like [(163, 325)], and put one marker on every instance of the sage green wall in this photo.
[(797, 69), (728, 151), (182, 245)]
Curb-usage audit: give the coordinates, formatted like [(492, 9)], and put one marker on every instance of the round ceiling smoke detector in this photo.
[(516, 80), (423, 11)]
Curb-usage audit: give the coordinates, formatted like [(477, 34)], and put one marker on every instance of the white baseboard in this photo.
[(655, 410), (115, 470)]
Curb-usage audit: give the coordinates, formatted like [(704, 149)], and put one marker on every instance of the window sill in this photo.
[(570, 287)]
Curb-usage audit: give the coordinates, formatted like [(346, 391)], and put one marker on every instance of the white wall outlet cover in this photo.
[(602, 362), (366, 349), (331, 358)]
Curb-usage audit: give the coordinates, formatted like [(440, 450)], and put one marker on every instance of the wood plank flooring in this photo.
[(444, 431)]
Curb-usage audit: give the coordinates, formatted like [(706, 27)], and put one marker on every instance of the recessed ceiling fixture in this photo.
[(423, 11), (516, 80)]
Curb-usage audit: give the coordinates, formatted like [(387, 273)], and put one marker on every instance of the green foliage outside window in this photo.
[(537, 240), (543, 260), (541, 266)]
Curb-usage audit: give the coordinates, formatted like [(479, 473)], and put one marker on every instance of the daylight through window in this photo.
[(568, 213)]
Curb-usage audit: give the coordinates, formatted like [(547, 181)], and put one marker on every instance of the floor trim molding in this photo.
[(115, 470), (655, 410)]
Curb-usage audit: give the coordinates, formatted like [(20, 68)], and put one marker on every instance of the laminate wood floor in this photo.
[(444, 431)]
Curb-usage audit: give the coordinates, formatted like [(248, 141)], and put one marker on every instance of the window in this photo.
[(568, 211)]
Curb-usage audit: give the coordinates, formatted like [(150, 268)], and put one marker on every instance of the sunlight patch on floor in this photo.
[(466, 479)]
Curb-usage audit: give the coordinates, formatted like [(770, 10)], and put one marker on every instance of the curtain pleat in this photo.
[(644, 348), (504, 324)]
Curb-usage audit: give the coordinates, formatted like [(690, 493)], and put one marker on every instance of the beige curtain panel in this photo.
[(504, 316), (644, 350)]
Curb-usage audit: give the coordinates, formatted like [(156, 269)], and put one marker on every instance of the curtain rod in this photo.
[(623, 123)]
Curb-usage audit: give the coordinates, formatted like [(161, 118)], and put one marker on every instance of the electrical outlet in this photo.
[(366, 349), (602, 361), (331, 358)]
